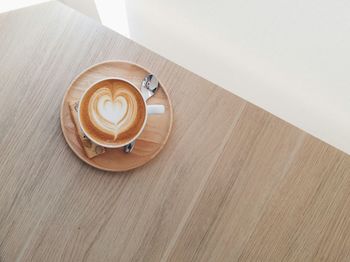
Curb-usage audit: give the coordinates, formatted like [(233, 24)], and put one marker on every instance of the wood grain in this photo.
[(233, 183), (153, 137)]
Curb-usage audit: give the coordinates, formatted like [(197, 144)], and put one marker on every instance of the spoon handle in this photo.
[(129, 147)]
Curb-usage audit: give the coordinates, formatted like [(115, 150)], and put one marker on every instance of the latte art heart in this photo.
[(112, 112)]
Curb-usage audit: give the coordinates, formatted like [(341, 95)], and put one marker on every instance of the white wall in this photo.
[(290, 57), (113, 14)]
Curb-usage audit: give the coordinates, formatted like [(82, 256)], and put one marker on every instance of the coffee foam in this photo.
[(112, 112)]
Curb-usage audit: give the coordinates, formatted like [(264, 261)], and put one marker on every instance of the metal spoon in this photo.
[(149, 87), (129, 147)]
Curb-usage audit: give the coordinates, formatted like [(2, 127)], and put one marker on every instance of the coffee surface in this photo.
[(112, 112)]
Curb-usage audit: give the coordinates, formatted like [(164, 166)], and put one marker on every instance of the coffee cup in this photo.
[(113, 113)]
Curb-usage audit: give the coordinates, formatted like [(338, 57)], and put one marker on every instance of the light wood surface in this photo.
[(233, 183), (153, 137)]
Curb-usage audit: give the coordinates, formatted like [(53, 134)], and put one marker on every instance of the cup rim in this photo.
[(142, 127)]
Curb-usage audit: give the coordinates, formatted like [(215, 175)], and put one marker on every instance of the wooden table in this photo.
[(233, 183)]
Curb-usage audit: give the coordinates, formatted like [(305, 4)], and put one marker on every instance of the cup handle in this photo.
[(155, 109)]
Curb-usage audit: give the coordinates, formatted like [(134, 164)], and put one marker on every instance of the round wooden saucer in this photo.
[(152, 139)]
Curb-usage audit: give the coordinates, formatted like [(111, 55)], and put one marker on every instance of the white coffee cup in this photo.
[(150, 110)]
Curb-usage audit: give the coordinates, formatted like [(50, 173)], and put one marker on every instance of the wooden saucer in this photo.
[(152, 139)]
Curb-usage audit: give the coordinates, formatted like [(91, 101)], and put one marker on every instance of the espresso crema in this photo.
[(112, 112)]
